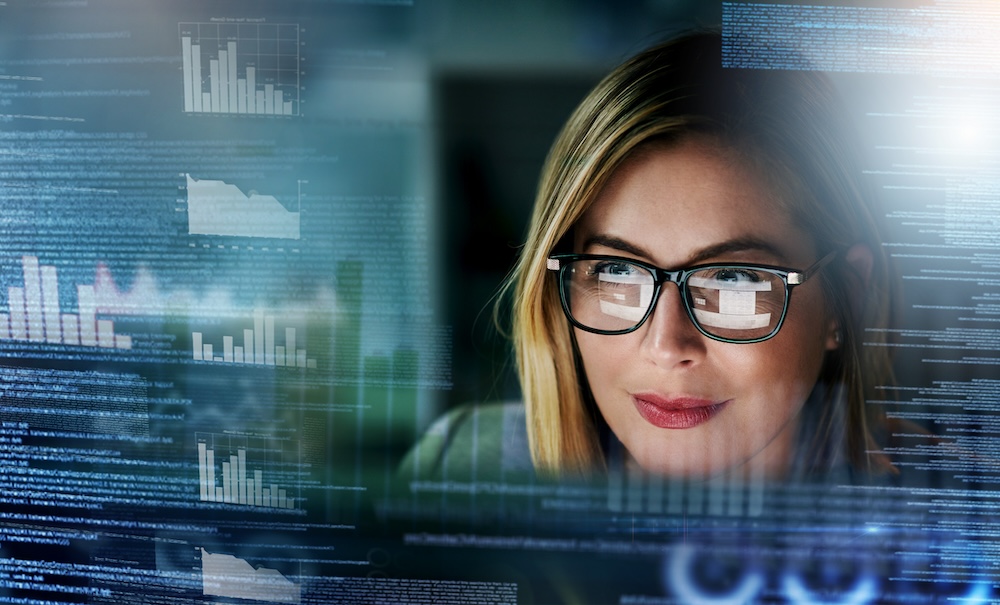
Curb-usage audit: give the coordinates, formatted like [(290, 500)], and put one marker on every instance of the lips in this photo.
[(676, 412)]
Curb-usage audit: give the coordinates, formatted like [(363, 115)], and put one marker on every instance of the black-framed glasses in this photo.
[(730, 302)]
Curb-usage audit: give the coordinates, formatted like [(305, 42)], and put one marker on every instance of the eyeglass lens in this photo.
[(730, 302)]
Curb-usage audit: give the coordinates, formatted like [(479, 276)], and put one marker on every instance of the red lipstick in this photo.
[(676, 412)]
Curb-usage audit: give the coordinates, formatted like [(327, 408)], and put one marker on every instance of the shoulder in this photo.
[(484, 442)]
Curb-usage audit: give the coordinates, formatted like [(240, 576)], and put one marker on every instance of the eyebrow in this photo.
[(740, 244)]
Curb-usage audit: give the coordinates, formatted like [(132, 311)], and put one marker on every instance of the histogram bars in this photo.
[(239, 484), (250, 68), (258, 347), (34, 314)]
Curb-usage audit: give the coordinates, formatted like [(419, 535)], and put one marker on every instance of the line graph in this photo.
[(215, 207)]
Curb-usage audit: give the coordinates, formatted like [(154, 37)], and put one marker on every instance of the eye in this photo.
[(613, 267), (737, 275)]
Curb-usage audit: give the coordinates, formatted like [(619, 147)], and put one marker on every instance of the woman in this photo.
[(700, 266)]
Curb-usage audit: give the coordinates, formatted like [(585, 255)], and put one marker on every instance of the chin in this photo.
[(671, 465)]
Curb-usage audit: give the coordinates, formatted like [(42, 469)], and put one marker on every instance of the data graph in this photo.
[(231, 577), (241, 68), (34, 314), (215, 207), (259, 346), (246, 470)]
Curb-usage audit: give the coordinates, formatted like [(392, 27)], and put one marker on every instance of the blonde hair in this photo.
[(785, 126)]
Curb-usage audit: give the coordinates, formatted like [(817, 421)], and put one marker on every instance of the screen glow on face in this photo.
[(730, 302), (625, 296), (696, 356)]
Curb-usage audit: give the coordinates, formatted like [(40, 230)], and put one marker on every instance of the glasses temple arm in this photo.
[(797, 277)]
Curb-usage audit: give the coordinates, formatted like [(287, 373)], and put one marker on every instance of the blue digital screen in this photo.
[(249, 253)]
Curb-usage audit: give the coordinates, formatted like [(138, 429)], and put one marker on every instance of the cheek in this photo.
[(604, 358), (595, 350), (772, 385), (757, 374), (793, 358)]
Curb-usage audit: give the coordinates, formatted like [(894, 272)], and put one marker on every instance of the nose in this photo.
[(670, 339)]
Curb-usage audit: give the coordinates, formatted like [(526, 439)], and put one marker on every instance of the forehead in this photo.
[(674, 200)]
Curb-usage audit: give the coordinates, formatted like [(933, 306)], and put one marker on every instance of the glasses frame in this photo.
[(558, 263)]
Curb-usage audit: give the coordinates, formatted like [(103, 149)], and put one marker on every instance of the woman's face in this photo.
[(680, 402)]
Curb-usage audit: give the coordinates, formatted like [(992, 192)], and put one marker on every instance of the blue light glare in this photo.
[(865, 590), (681, 583), (687, 570)]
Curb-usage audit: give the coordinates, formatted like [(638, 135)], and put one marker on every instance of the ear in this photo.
[(860, 261), (833, 335)]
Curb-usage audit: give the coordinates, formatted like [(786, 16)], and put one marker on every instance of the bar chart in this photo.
[(34, 314), (241, 68), (259, 346), (231, 470)]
